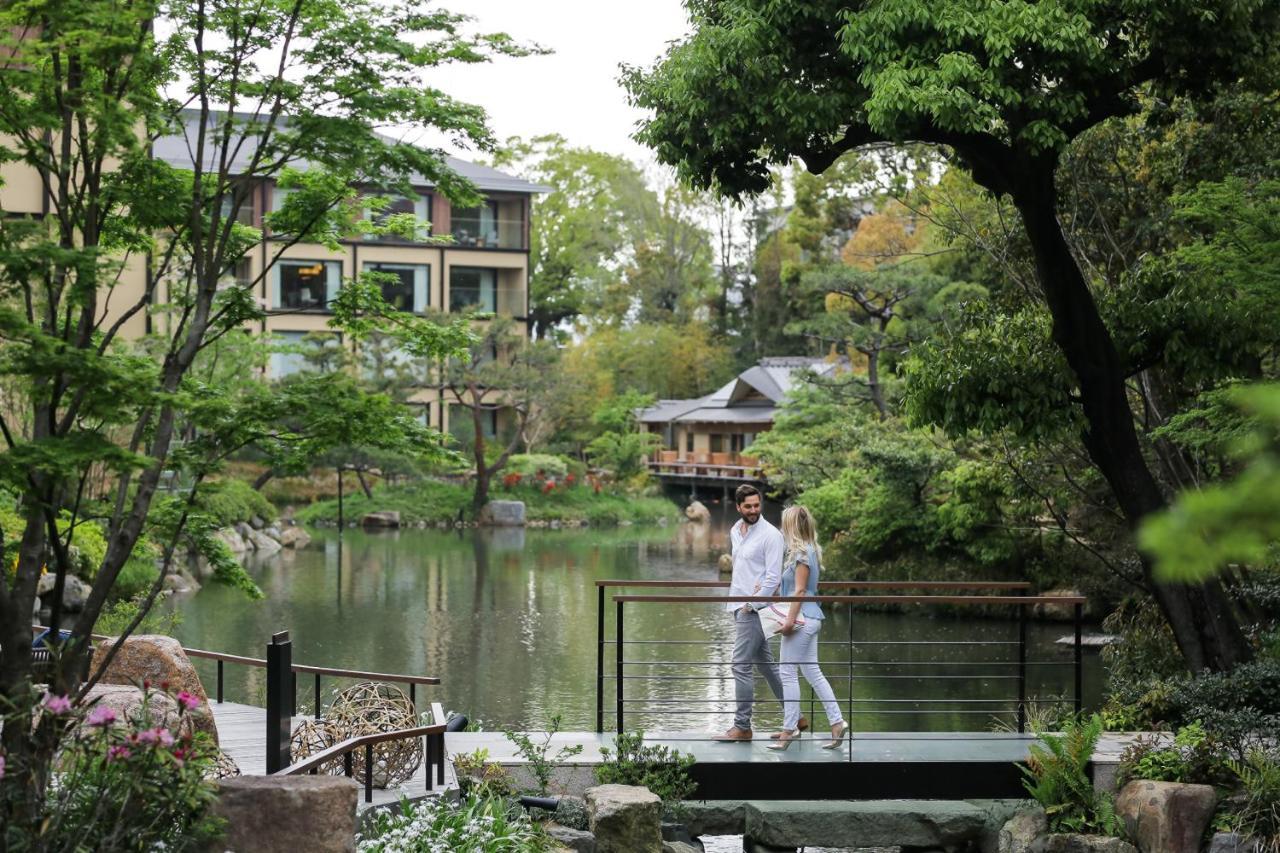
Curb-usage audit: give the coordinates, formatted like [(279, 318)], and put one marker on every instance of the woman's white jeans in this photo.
[(800, 654)]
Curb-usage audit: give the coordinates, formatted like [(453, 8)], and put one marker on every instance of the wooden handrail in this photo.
[(956, 585), (856, 599), (350, 744)]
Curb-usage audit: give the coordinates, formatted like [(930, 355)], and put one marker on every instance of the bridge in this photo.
[(908, 762)]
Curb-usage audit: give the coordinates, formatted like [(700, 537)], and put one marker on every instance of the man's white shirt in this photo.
[(757, 560)]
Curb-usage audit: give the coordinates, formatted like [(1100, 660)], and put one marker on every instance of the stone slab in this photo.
[(873, 823)]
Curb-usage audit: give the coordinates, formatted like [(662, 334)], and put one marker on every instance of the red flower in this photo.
[(548, 486), (569, 479)]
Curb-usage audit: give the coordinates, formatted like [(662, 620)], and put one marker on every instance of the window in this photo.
[(460, 426), (410, 291), (473, 287), (244, 215), (717, 443), (688, 442), (306, 285), (419, 206), (238, 274), (476, 226), (294, 352)]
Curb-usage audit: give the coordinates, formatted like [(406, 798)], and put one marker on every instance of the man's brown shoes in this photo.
[(734, 735)]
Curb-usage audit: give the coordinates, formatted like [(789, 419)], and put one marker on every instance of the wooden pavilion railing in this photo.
[(702, 463)]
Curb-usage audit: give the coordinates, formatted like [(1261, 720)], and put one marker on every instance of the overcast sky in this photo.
[(573, 91)]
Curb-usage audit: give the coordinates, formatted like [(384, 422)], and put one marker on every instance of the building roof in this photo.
[(178, 150), (749, 398)]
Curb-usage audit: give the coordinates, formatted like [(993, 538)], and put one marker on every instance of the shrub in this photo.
[(1195, 756), (1257, 813), (1057, 778), (536, 753), (1238, 706), (135, 578), (478, 776), (471, 825), (122, 785), (116, 616), (662, 770), (231, 501), (533, 464)]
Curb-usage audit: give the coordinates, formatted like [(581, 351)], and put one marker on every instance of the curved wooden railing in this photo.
[(433, 735)]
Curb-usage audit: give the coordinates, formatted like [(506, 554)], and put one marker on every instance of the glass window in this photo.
[(410, 291), (688, 442), (299, 351), (238, 274), (244, 214), (460, 425), (717, 443), (418, 205), (473, 287), (306, 285), (475, 226)]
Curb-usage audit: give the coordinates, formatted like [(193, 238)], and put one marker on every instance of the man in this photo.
[(757, 569)]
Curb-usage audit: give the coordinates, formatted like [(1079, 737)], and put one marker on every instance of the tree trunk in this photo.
[(262, 479), (481, 496), (1202, 617), (364, 485)]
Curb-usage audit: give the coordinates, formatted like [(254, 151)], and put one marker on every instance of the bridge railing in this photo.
[(1012, 670)]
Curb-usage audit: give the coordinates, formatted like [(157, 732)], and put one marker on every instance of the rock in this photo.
[(625, 819), (677, 832), (231, 537), (1018, 833), (867, 823), (1166, 817), (244, 530), (1057, 612), (273, 531), (725, 564), (75, 592), (1071, 843), (263, 544), (158, 659), (680, 847), (1232, 842), (256, 522), (502, 514), (571, 839), (295, 537), (177, 583), (384, 518), (714, 817), (126, 701), (283, 814), (572, 812), (698, 512)]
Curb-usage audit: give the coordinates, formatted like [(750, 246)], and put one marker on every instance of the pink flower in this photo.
[(101, 715), (149, 737), (166, 738), (56, 704), (188, 701), (1, 766), (118, 753)]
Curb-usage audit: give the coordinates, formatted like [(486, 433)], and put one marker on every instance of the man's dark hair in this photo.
[(743, 492)]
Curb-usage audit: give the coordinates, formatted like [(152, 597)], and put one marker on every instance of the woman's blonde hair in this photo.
[(799, 531)]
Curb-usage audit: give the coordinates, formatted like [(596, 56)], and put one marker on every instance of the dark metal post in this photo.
[(600, 659), (339, 510), (413, 696), (293, 694), (317, 695), (849, 720), (1022, 665), (440, 756), (430, 759), (279, 701), (617, 630), (1079, 618), (219, 682), (348, 763), (368, 773)]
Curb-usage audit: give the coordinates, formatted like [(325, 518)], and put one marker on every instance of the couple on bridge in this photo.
[(786, 562)]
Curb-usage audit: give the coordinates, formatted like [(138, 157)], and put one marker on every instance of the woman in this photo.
[(800, 569)]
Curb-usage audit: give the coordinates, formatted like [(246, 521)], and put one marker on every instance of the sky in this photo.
[(574, 91)]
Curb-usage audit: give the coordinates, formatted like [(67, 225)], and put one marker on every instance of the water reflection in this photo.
[(507, 620)]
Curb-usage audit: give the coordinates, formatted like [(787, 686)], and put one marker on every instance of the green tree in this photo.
[(81, 101), (1006, 88)]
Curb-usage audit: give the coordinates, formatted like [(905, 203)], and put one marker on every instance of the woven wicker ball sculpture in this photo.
[(312, 736), (223, 767), (370, 708)]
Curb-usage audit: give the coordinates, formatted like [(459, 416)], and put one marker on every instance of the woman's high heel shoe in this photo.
[(784, 740), (837, 738)]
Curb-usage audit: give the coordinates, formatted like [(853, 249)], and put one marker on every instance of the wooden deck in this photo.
[(242, 733)]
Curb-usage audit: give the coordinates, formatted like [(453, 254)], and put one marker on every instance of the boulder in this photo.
[(502, 514), (231, 537), (245, 532), (680, 847), (126, 701), (386, 518), (295, 537), (256, 522), (158, 659), (714, 817), (175, 582), (1232, 842), (75, 592), (867, 823), (1071, 843), (625, 819), (1166, 817), (697, 512), (1021, 831), (263, 544), (578, 840), (283, 814), (273, 531), (725, 564)]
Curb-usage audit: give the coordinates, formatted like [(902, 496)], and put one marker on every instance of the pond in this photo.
[(507, 620)]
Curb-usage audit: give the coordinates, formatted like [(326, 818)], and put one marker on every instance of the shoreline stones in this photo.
[(1168, 817), (625, 819)]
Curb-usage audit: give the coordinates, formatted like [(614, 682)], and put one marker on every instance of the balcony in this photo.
[(493, 225)]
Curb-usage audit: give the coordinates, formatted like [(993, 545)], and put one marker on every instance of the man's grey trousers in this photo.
[(750, 647)]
